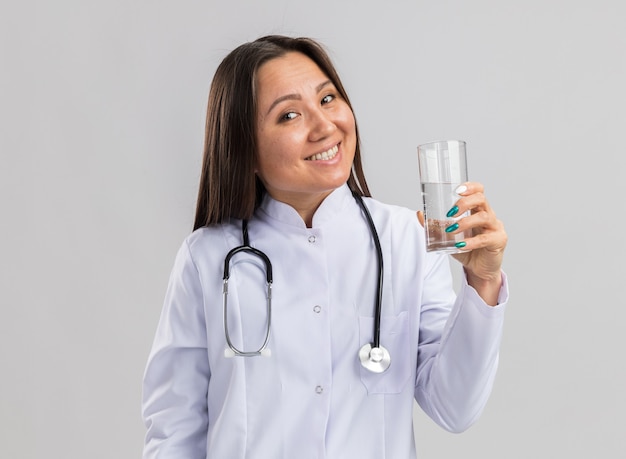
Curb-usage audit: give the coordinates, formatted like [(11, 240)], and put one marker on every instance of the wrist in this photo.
[(488, 288)]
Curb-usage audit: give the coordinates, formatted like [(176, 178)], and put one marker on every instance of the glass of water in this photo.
[(442, 168)]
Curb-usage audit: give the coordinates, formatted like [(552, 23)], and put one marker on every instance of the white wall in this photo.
[(101, 124)]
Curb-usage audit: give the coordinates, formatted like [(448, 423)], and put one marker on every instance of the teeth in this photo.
[(330, 154)]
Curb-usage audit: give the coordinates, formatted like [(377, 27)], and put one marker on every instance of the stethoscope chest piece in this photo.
[(376, 360)]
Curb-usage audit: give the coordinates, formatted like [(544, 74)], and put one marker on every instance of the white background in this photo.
[(102, 107)]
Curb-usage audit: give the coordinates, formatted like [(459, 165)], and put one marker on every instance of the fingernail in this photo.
[(460, 245), (460, 189), (451, 228), (452, 211)]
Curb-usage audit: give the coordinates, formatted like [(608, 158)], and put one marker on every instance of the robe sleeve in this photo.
[(177, 374), (458, 349)]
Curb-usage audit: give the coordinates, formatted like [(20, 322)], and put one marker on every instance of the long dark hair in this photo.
[(229, 188)]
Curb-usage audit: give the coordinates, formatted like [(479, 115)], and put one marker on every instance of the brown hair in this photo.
[(229, 188)]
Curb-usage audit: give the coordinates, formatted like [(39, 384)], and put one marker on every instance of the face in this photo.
[(306, 133)]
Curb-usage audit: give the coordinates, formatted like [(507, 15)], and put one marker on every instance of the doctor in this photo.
[(282, 154)]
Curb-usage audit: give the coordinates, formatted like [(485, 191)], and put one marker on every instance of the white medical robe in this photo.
[(312, 399)]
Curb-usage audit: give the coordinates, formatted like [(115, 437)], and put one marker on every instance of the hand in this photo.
[(483, 252)]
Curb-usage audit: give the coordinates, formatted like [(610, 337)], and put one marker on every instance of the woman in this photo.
[(282, 171)]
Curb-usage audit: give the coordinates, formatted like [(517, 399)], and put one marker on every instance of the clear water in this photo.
[(439, 198)]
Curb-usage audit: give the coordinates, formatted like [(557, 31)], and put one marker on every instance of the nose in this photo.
[(321, 125)]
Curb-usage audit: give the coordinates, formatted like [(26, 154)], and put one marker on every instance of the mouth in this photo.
[(325, 155)]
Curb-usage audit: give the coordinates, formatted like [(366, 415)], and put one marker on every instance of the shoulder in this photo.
[(209, 239), (398, 225), (398, 215)]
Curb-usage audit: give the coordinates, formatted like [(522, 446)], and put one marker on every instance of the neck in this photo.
[(307, 209)]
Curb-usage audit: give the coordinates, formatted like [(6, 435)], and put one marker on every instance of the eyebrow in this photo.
[(280, 99)]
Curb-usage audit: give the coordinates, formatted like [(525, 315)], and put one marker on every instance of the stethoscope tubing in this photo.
[(269, 279), (379, 284), (373, 356)]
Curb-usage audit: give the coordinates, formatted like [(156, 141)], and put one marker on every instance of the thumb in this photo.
[(420, 217)]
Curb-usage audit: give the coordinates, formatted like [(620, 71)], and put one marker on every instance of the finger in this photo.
[(420, 217), (468, 206), (477, 222), (487, 232), (468, 188), (474, 202), (493, 241)]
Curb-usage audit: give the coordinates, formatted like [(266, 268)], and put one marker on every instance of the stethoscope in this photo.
[(373, 356)]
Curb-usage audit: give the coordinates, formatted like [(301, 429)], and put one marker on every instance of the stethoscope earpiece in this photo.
[(229, 353)]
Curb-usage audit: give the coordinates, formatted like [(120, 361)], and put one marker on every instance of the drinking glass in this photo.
[(442, 168)]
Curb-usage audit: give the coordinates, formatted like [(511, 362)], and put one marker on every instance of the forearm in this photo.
[(456, 378)]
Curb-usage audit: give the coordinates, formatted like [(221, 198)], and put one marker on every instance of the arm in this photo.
[(177, 374), (458, 353)]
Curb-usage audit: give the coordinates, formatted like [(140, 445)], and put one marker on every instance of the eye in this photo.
[(288, 116), (327, 99)]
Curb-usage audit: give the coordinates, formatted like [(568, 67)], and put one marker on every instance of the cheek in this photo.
[(270, 158), (265, 147), (347, 121), (348, 125), (282, 148)]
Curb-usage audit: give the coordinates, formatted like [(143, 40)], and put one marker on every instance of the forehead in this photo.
[(292, 72)]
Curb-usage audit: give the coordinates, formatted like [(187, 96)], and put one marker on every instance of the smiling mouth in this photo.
[(324, 156)]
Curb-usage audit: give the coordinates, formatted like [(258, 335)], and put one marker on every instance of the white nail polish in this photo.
[(460, 189)]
